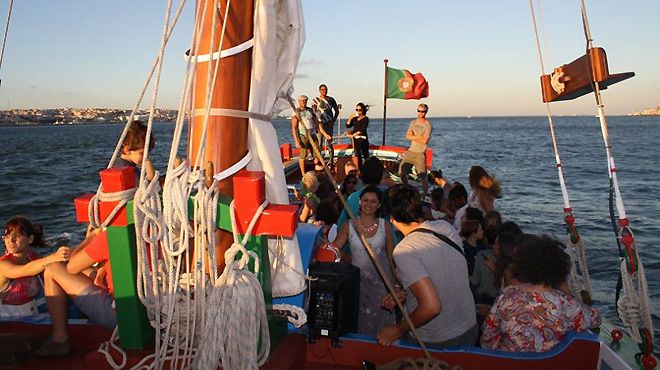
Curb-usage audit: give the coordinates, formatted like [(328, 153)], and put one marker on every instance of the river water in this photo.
[(42, 169)]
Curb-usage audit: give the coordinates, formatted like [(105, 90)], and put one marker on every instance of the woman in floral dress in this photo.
[(534, 315)]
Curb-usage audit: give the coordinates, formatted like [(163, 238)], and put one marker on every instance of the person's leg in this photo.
[(404, 168), (58, 284), (359, 152)]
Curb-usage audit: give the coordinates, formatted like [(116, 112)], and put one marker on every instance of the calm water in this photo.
[(44, 168)]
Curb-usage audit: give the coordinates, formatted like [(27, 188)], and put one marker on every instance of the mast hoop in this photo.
[(235, 113), (221, 54)]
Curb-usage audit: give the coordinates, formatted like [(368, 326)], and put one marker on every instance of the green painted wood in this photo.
[(626, 348), (134, 329), (258, 245)]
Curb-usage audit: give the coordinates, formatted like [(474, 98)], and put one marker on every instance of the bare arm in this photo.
[(429, 306), (389, 244), (341, 239), (486, 201), (12, 271), (294, 131), (79, 263)]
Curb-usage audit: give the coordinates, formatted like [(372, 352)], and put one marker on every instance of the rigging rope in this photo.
[(579, 283), (634, 304), (4, 38), (365, 242)]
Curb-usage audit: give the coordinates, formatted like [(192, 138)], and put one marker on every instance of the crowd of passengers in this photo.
[(465, 276)]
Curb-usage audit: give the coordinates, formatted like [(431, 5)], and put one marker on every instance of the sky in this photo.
[(479, 56)]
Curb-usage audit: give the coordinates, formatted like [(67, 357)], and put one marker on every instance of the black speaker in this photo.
[(333, 301)]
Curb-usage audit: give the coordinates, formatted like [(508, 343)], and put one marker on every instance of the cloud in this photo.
[(34, 87), (300, 76), (309, 62)]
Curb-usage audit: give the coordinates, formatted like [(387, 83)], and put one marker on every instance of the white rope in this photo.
[(4, 38), (224, 53), (577, 281), (237, 310), (296, 315), (104, 349), (633, 304), (225, 112), (93, 213), (233, 169)]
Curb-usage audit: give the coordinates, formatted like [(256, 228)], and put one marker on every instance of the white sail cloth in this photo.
[(278, 41)]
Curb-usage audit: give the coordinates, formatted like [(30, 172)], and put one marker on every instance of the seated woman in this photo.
[(20, 267), (378, 233), (485, 189), (534, 315), (349, 185)]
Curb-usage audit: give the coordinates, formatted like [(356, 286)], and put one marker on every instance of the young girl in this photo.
[(19, 267)]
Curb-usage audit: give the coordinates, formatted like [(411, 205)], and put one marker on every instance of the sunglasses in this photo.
[(421, 111), (358, 110)]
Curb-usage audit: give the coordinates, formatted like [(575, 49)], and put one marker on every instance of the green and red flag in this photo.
[(401, 84)]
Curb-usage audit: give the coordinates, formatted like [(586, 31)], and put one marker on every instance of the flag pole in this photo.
[(384, 103)]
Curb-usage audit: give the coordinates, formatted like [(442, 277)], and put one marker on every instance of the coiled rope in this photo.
[(236, 323), (579, 282)]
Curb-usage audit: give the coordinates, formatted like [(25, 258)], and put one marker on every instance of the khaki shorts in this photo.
[(418, 160), (306, 144)]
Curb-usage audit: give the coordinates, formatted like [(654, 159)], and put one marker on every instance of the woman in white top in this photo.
[(379, 235)]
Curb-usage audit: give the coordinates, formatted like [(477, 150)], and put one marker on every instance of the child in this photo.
[(472, 233), (132, 150), (19, 267), (94, 298)]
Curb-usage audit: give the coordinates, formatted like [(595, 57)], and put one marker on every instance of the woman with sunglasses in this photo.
[(359, 122)]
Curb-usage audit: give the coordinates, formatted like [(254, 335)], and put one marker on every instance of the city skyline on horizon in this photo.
[(479, 58)]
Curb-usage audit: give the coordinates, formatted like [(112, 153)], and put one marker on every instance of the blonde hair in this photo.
[(310, 181)]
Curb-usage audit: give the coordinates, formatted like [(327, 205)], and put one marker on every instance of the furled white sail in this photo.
[(278, 41)]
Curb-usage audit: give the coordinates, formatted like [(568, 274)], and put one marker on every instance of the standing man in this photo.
[(327, 111), (432, 270), (304, 130), (419, 133)]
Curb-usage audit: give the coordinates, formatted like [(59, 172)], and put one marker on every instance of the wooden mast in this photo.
[(226, 137)]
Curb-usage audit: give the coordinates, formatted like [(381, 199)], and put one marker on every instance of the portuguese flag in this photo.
[(401, 84)]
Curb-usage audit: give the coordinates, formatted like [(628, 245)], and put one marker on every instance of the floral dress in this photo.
[(525, 321)]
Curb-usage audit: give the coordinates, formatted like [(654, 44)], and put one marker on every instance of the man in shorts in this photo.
[(304, 126), (419, 133), (327, 111)]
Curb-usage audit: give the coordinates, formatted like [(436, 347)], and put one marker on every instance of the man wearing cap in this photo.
[(304, 129)]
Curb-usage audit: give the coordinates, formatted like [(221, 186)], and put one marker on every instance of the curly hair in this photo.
[(136, 137), (540, 259)]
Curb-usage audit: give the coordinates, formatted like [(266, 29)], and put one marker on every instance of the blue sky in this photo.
[(479, 56)]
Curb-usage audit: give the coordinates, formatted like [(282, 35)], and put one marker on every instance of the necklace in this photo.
[(368, 229)]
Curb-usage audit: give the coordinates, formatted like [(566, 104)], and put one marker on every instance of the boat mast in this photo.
[(384, 103), (226, 137)]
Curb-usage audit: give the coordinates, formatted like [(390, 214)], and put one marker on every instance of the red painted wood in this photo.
[(117, 179), (249, 194)]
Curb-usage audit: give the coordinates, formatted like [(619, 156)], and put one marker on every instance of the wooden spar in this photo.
[(226, 137), (384, 102)]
